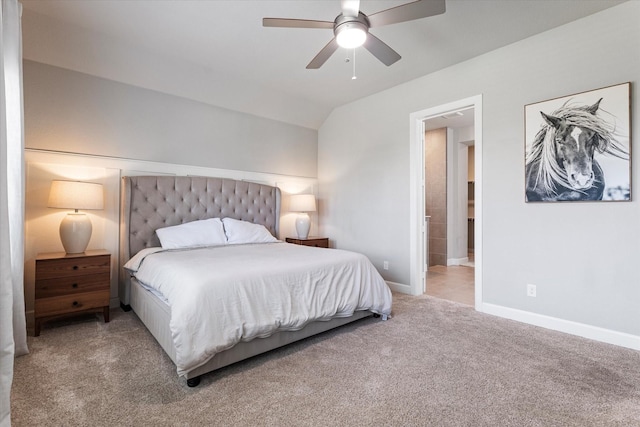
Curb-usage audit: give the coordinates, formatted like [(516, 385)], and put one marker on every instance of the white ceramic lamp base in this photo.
[(75, 232), (303, 223)]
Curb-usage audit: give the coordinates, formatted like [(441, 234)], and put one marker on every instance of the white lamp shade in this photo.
[(76, 195), (302, 203), (75, 228)]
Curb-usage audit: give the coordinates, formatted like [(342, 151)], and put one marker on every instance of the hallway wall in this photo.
[(436, 194)]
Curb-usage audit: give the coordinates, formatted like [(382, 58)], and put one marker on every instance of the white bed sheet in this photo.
[(222, 295)]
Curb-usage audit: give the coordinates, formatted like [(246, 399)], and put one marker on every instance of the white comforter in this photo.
[(222, 295)]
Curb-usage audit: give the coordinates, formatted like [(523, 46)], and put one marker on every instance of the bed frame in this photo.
[(152, 202)]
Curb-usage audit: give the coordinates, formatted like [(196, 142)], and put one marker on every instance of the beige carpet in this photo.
[(436, 363)]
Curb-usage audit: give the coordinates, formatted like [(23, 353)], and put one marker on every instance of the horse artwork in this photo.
[(563, 162)]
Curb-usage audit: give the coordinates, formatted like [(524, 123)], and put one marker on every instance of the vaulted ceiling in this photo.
[(218, 52)]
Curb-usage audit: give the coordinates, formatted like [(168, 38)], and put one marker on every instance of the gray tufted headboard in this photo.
[(152, 202)]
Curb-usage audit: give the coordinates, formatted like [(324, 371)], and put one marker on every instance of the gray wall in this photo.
[(583, 257), (78, 113)]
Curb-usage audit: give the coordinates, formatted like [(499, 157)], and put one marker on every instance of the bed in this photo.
[(214, 304)]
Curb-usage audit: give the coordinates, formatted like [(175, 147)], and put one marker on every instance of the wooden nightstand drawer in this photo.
[(319, 242), (71, 303), (66, 267), (70, 285)]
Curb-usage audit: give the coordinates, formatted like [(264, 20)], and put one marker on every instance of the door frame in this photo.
[(416, 193)]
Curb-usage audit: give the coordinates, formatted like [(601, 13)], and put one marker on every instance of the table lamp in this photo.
[(302, 203), (75, 228)]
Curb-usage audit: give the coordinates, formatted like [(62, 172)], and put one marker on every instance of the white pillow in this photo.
[(246, 232), (206, 232)]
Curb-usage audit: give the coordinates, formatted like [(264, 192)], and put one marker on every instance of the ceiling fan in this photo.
[(351, 27)]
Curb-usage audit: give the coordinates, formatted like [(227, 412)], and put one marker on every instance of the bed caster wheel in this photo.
[(193, 382)]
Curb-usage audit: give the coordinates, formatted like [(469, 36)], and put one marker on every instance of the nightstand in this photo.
[(319, 242), (68, 284)]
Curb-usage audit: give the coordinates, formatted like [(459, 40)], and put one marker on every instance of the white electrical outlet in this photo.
[(531, 290), (385, 265)]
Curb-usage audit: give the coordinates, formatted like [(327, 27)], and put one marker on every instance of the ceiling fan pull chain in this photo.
[(354, 64)]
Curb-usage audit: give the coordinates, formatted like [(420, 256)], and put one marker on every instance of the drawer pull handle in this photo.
[(75, 285), (75, 267), (75, 303)]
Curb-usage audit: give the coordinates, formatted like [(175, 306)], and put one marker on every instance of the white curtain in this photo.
[(13, 336)]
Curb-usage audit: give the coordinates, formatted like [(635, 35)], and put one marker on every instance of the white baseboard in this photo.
[(400, 287), (574, 328), (457, 261)]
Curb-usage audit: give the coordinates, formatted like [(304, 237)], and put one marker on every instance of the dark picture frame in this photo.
[(578, 147)]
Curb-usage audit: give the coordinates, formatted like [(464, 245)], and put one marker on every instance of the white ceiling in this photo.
[(218, 52)]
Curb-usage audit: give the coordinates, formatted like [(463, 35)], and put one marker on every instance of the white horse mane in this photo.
[(550, 172)]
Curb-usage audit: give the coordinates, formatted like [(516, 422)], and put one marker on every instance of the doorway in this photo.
[(449, 205), (420, 121)]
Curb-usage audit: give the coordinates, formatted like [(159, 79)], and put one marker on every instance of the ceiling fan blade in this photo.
[(323, 55), (350, 7), (295, 23), (407, 12), (381, 50)]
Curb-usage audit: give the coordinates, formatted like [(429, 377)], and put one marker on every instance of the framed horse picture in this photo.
[(578, 147)]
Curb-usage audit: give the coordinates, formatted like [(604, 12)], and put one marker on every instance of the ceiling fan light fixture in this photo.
[(351, 35)]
